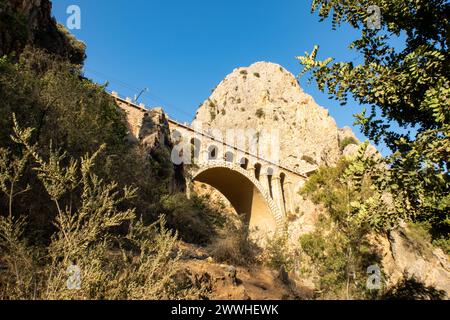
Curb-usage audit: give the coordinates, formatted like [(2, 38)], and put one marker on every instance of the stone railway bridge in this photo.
[(257, 187)]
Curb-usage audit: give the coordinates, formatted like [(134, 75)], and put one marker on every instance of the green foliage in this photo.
[(77, 116), (194, 220), (443, 243), (19, 260), (339, 262), (407, 85), (47, 93), (347, 141), (76, 48), (139, 264), (328, 187), (260, 113), (309, 159), (339, 248), (421, 234), (278, 254), (233, 246)]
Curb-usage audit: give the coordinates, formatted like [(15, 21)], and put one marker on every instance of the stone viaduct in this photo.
[(257, 188)]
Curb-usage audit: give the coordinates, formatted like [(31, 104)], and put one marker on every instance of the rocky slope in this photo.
[(265, 95), (404, 255), (227, 282)]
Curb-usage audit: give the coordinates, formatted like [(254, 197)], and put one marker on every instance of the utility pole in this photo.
[(136, 97)]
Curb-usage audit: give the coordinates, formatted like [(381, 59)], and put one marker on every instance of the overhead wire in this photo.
[(131, 88)]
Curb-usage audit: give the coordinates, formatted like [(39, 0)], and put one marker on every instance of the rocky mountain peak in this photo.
[(265, 95)]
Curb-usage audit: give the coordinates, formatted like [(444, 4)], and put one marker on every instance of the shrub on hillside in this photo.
[(339, 265), (194, 219), (77, 116), (85, 251), (260, 113), (347, 141), (50, 95), (234, 247), (278, 254)]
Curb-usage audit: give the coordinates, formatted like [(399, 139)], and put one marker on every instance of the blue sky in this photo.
[(182, 49)]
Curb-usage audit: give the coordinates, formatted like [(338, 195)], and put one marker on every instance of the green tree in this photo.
[(407, 86), (339, 248)]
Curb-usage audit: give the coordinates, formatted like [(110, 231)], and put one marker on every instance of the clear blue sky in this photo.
[(182, 49)]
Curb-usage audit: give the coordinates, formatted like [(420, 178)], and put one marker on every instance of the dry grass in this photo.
[(234, 247)]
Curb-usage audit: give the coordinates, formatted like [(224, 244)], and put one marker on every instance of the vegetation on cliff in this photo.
[(407, 89)]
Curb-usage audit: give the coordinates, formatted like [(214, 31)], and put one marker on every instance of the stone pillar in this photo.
[(204, 155), (289, 197), (250, 168), (278, 193), (220, 151), (263, 179)]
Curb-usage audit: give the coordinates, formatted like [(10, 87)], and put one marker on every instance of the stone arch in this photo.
[(250, 198)]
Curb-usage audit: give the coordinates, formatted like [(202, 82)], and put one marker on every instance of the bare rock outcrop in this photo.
[(30, 22), (406, 257), (264, 96)]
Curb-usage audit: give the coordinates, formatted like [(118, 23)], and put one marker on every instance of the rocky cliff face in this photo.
[(29, 22), (265, 95)]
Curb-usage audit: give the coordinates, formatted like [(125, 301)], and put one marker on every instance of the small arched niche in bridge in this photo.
[(245, 197), (283, 191), (269, 173), (257, 171), (213, 152), (229, 157), (244, 163)]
